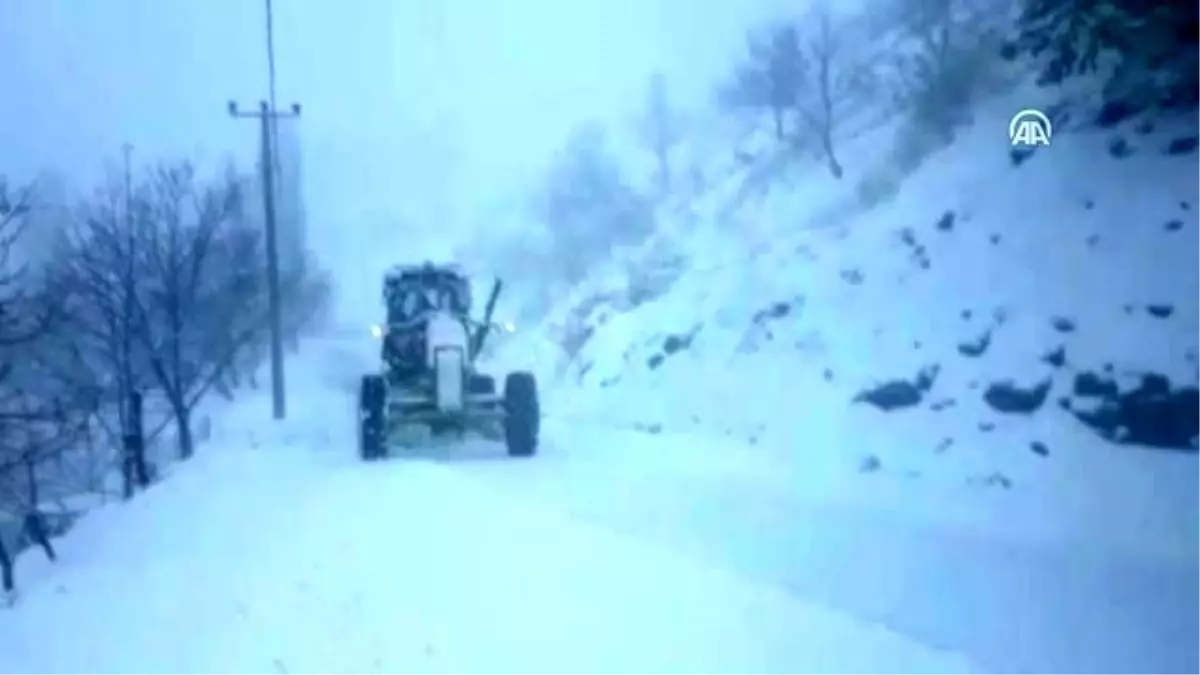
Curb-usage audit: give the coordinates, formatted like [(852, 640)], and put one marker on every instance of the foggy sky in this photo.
[(410, 106)]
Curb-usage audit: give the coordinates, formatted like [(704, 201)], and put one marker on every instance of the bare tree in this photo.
[(809, 77), (660, 130), (96, 271), (945, 58), (199, 305), (33, 426), (770, 78), (588, 205), (829, 82)]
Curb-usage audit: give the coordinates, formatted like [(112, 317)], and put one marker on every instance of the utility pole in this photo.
[(271, 88), (267, 114)]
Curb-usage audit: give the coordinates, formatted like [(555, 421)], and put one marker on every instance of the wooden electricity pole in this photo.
[(267, 116)]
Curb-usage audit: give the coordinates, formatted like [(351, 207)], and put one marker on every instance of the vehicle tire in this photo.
[(522, 419), (372, 426)]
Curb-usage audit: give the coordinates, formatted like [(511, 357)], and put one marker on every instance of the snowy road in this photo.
[(1015, 606), (278, 551), (1013, 602)]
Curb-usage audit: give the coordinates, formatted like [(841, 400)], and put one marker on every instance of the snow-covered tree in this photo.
[(1146, 50), (945, 58), (588, 206), (808, 75), (660, 129)]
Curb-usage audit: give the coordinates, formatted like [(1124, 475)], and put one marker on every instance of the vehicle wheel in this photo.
[(522, 419), (372, 427)]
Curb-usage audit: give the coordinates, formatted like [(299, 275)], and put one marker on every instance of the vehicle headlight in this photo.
[(377, 331), (509, 327)]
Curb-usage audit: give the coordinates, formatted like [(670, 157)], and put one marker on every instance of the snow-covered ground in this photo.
[(744, 386), (279, 552), (717, 490)]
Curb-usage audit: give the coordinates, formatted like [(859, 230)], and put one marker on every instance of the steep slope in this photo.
[(277, 551), (1005, 307)]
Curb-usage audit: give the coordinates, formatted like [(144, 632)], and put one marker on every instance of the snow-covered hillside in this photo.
[(980, 326)]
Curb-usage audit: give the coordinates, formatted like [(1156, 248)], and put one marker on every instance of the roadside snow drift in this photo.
[(278, 552)]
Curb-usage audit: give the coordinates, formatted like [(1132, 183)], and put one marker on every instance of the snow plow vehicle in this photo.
[(428, 381)]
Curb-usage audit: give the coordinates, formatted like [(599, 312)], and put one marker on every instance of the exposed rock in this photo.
[(944, 404), (852, 276), (899, 394), (676, 343), (1155, 414), (976, 347), (943, 445), (987, 427), (870, 464), (892, 395), (1056, 357), (1089, 384), (995, 479), (1183, 145), (1160, 311), (1062, 324), (652, 428), (1008, 398), (946, 222), (655, 361), (1114, 112), (775, 311), (1018, 155), (1039, 448), (1173, 225), (1119, 148)]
